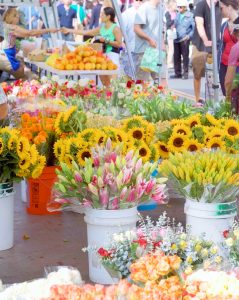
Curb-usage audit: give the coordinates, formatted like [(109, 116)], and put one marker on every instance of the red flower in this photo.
[(104, 253), (129, 83), (157, 244), (160, 87), (139, 81), (142, 242), (226, 233)]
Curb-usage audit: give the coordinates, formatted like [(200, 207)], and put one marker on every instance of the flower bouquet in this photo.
[(163, 235), (18, 158), (207, 177), (109, 180)]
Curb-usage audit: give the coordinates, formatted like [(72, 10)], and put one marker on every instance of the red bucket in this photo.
[(40, 192)]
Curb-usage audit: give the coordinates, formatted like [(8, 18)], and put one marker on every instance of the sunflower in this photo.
[(11, 142), (1, 145), (135, 121), (182, 129), (154, 152), (58, 123), (192, 145), (36, 172), (193, 120), (162, 149), (177, 122), (22, 147), (68, 160), (120, 135), (88, 135), (67, 114), (82, 155), (215, 132), (213, 121), (144, 151), (25, 162), (59, 149), (232, 128), (176, 142), (34, 154), (137, 133), (23, 173), (150, 131), (215, 142)]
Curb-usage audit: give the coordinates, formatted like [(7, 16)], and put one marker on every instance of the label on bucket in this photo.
[(5, 189), (226, 208)]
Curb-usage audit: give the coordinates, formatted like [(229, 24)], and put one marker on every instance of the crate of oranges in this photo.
[(82, 58)]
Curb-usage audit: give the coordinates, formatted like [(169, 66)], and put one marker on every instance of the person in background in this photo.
[(30, 17), (228, 39), (191, 6), (184, 24), (202, 41), (66, 16), (110, 35), (80, 12), (147, 30), (233, 68), (128, 17), (11, 31), (95, 14), (170, 16)]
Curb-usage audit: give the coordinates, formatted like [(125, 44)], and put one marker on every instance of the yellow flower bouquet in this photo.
[(17, 157), (211, 177)]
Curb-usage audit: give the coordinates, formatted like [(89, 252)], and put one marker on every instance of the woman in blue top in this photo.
[(11, 31), (109, 33)]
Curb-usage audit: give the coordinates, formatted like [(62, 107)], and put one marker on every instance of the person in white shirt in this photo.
[(128, 20)]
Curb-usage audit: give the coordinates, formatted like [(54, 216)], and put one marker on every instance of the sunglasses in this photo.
[(139, 0), (181, 6)]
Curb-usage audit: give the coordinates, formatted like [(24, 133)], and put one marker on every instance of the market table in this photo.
[(42, 66)]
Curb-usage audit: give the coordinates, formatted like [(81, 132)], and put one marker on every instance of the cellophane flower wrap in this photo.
[(211, 177), (109, 180), (164, 236)]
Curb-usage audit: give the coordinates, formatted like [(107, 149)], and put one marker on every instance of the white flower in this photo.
[(45, 86), (121, 96), (70, 84), (123, 85), (15, 90), (129, 235), (236, 232), (229, 242), (55, 78), (11, 98), (83, 82), (138, 88), (44, 79), (40, 91)]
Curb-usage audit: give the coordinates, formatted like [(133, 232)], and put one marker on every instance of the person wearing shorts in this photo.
[(202, 42)]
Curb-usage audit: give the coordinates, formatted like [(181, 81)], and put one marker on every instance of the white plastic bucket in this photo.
[(20, 191), (101, 224), (210, 218), (6, 216)]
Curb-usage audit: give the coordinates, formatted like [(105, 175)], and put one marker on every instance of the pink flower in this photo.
[(123, 193), (132, 196), (129, 155), (162, 232), (138, 165), (96, 161), (111, 157), (61, 200), (104, 196), (140, 190), (78, 177), (127, 175), (140, 232), (115, 203), (87, 203), (150, 186), (158, 196)]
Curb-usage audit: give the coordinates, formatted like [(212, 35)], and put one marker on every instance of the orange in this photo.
[(104, 66), (69, 67), (81, 66), (98, 67)]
